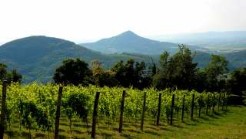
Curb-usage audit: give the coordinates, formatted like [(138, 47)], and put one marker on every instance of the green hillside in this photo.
[(236, 59), (37, 57)]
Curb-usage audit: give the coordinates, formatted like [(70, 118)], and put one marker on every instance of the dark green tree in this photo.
[(236, 84), (184, 68), (161, 79), (3, 71), (10, 76), (101, 77), (14, 76), (177, 71), (131, 74), (215, 72), (73, 71), (200, 83)]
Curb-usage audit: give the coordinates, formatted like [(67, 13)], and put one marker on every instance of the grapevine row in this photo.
[(33, 106)]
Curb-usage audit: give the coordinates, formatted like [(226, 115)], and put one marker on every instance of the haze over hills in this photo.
[(132, 43), (229, 41)]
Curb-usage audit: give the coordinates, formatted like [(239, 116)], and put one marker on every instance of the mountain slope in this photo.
[(130, 42), (37, 57), (236, 59)]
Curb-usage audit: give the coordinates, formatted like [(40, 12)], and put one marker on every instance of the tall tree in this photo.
[(236, 85), (177, 71), (184, 68), (161, 79), (73, 71), (131, 74), (215, 70), (102, 77)]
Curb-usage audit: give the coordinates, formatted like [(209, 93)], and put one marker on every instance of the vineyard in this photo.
[(31, 110)]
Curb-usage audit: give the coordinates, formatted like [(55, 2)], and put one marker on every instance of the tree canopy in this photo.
[(215, 70), (3, 71), (131, 73), (73, 71), (10, 76), (177, 71)]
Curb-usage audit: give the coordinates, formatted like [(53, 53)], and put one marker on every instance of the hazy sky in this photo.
[(81, 20)]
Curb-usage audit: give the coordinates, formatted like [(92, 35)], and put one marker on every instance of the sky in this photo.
[(90, 20)]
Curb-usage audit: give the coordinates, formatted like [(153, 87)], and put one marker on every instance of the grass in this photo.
[(229, 125), (222, 125)]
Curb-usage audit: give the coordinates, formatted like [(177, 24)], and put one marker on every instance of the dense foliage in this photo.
[(72, 72), (178, 71), (10, 76), (33, 106)]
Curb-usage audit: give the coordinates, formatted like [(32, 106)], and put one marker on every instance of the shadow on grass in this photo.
[(128, 136), (106, 135), (152, 132), (82, 125), (177, 126), (76, 131), (166, 129), (190, 123), (205, 118), (133, 131)]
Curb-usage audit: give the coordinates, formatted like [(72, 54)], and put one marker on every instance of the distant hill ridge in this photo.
[(130, 42), (228, 41)]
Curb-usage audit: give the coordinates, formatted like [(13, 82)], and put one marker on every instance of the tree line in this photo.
[(176, 71)]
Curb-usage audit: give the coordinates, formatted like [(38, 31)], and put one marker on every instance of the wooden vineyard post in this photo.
[(158, 111), (94, 119), (172, 107), (183, 109), (223, 102), (226, 101), (200, 107), (192, 107), (213, 102), (58, 108), (219, 102), (207, 104), (122, 111), (3, 108), (143, 112)]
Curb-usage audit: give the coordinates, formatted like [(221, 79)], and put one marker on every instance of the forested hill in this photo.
[(236, 59), (130, 42), (37, 57)]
